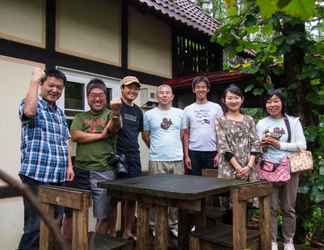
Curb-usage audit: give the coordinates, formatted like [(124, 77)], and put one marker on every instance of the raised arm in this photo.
[(30, 101)]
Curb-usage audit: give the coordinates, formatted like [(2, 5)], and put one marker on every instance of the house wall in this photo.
[(150, 44), (90, 30), (23, 21), (15, 75), (89, 41)]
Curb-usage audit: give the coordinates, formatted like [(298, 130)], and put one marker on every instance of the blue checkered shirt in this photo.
[(44, 143)]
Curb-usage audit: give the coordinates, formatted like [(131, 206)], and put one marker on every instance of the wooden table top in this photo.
[(185, 187)]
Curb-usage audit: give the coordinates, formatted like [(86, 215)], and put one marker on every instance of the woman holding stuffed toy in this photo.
[(280, 136)]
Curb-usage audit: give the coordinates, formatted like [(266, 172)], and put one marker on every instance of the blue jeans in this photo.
[(200, 160), (30, 237), (133, 164)]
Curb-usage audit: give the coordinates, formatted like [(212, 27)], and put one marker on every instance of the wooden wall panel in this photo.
[(89, 29), (23, 21), (150, 44)]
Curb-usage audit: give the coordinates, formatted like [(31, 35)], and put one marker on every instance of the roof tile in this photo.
[(186, 12)]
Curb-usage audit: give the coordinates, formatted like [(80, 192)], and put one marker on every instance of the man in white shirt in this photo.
[(200, 150)]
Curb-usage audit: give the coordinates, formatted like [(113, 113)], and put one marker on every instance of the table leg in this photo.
[(142, 242), (46, 237), (265, 222), (161, 228), (239, 221), (183, 229)]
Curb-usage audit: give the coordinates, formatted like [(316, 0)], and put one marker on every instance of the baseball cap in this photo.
[(127, 80)]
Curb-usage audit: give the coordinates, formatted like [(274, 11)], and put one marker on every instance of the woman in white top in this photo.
[(273, 133)]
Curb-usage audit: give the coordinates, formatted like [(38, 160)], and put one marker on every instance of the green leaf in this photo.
[(267, 7), (258, 91), (249, 87), (303, 9), (282, 3)]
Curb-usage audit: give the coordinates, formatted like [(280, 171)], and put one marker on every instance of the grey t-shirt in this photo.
[(200, 120)]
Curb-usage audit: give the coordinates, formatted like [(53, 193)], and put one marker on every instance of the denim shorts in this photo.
[(133, 164), (88, 180)]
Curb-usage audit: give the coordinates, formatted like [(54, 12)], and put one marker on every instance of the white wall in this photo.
[(15, 76)]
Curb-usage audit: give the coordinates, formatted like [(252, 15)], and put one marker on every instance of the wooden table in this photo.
[(162, 191)]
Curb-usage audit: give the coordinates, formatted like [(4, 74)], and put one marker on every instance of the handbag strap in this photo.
[(288, 127)]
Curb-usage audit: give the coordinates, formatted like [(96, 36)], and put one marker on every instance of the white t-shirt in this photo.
[(200, 120), (164, 127)]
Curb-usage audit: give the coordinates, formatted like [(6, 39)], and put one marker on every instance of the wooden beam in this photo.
[(8, 192), (124, 35)]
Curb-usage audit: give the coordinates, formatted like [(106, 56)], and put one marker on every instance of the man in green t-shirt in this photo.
[(94, 132)]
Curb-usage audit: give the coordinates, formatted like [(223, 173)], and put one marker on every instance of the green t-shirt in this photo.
[(94, 155)]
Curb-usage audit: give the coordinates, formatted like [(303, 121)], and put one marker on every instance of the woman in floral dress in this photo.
[(238, 142)]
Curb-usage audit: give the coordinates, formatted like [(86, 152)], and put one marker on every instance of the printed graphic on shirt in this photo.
[(130, 117), (202, 116), (276, 132), (94, 125), (166, 123)]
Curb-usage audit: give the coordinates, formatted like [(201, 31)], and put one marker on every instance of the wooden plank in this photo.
[(239, 221), (80, 230), (183, 229), (66, 197), (209, 172), (265, 222), (254, 190), (142, 242), (46, 237), (161, 228), (201, 218), (181, 187), (194, 243), (194, 205)]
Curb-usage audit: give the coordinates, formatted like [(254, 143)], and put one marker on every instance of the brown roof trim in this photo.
[(186, 12)]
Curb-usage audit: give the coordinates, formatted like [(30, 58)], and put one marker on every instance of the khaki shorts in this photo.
[(166, 167)]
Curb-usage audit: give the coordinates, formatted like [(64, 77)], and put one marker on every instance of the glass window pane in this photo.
[(74, 97)]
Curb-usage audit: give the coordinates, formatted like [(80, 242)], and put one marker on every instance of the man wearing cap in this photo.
[(127, 143), (95, 132)]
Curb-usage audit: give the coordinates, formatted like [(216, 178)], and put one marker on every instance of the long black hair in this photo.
[(277, 93)]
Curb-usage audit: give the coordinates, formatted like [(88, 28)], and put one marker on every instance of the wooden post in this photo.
[(161, 228), (142, 227), (46, 237), (183, 229), (194, 243), (265, 222), (80, 230), (239, 221)]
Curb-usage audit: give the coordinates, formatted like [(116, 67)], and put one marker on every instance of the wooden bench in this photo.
[(220, 237), (79, 201)]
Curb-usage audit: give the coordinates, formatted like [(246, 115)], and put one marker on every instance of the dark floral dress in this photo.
[(239, 139)]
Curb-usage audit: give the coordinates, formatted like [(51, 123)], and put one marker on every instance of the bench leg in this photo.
[(239, 221), (80, 230), (46, 237), (162, 228), (265, 222), (194, 243), (142, 227)]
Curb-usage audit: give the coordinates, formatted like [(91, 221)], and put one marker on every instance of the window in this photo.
[(75, 98)]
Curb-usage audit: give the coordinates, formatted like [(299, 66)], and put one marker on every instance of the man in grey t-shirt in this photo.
[(200, 136)]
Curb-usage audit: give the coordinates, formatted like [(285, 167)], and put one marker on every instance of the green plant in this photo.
[(314, 226)]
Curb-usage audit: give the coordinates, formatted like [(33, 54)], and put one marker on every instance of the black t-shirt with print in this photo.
[(132, 117)]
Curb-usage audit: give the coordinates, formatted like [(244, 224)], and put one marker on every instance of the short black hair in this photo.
[(277, 93), (96, 83), (234, 89), (199, 79), (55, 73)]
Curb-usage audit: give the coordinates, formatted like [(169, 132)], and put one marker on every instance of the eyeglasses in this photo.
[(100, 96)]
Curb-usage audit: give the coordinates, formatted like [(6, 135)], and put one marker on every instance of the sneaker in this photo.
[(174, 232), (274, 245), (289, 246)]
